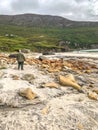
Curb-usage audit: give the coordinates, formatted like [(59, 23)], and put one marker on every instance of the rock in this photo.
[(45, 110), (91, 85), (51, 70), (42, 58), (93, 95), (80, 126), (15, 77), (69, 81), (51, 85), (71, 77), (1, 74), (3, 67), (25, 50), (82, 79), (88, 71), (12, 56), (45, 66), (28, 77), (48, 53), (95, 90), (28, 93)]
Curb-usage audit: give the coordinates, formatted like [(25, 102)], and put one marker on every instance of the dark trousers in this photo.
[(20, 65)]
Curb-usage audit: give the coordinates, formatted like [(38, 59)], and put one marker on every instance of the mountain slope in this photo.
[(44, 32), (36, 20)]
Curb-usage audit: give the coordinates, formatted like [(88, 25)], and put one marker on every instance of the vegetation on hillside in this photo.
[(38, 39)]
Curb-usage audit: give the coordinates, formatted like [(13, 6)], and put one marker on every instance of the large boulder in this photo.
[(27, 93), (69, 80), (12, 56), (41, 58)]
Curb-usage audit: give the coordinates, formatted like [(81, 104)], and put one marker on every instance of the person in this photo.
[(20, 60)]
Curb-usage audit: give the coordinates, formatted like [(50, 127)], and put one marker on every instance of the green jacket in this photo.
[(20, 57)]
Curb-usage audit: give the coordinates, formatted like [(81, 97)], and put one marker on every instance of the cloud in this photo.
[(72, 9), (24, 6), (5, 6), (94, 7)]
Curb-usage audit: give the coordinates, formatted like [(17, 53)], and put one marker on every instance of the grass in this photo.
[(16, 37)]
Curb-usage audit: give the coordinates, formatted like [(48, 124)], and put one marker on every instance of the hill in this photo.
[(44, 32), (36, 20)]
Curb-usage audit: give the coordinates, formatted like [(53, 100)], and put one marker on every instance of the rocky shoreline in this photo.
[(38, 99)]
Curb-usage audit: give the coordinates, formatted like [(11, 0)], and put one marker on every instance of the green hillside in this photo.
[(38, 39)]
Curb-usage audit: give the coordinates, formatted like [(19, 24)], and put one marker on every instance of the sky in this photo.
[(77, 10)]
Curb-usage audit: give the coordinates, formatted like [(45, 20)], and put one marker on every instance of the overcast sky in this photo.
[(81, 10)]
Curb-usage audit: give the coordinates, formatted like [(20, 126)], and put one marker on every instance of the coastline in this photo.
[(72, 54)]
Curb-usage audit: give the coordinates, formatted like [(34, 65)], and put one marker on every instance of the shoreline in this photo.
[(72, 54)]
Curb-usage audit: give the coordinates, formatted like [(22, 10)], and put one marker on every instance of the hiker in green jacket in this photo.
[(20, 60)]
